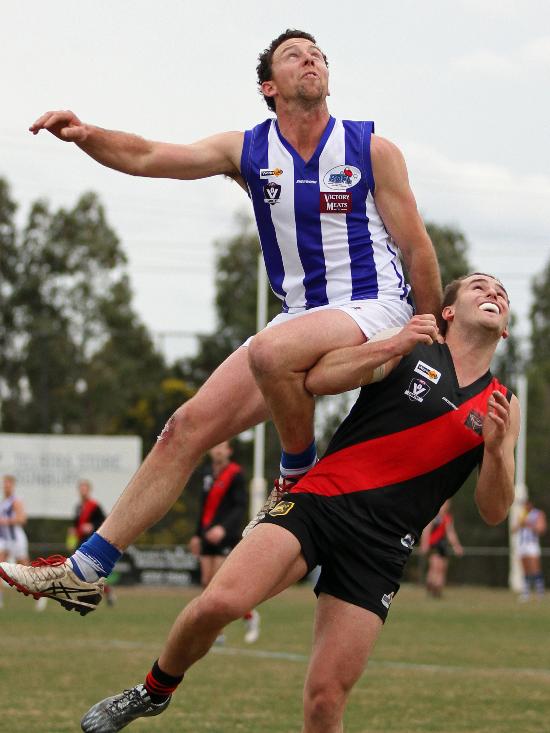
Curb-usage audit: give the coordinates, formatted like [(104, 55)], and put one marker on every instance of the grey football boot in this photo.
[(116, 712)]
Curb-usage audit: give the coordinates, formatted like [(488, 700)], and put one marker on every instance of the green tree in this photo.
[(538, 403), (75, 356), (451, 248)]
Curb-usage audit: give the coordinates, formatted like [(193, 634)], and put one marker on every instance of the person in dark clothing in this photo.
[(88, 516), (223, 508)]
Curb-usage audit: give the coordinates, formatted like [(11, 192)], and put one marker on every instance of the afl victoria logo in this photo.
[(342, 177)]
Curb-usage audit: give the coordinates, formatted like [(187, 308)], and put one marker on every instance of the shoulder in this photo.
[(384, 151)]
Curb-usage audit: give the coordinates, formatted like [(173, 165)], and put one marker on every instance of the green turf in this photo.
[(473, 662)]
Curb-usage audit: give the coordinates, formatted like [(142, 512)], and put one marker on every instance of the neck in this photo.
[(302, 126), (218, 466), (472, 352)]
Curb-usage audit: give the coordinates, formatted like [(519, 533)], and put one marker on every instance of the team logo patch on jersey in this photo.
[(282, 508), (408, 541), (418, 389), (335, 203), (272, 193), (474, 421), (427, 371), (342, 177), (387, 598), (267, 172)]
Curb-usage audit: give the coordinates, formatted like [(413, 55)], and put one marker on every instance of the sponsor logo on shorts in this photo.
[(282, 508), (408, 541), (427, 371), (334, 203), (387, 598), (272, 193), (267, 172), (474, 421), (418, 389), (342, 177)]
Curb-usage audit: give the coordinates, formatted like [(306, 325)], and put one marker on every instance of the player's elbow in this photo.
[(493, 514)]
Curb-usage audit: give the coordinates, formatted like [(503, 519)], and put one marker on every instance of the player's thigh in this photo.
[(300, 342), (266, 561), (344, 637), (227, 403)]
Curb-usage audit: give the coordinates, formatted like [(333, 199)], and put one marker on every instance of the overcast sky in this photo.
[(461, 87)]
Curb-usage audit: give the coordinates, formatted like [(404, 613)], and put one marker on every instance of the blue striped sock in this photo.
[(95, 558), (296, 464)]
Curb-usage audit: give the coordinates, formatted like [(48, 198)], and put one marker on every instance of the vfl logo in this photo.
[(387, 598), (272, 193), (418, 389), (342, 177), (266, 172), (474, 421), (408, 541), (282, 508), (427, 371)]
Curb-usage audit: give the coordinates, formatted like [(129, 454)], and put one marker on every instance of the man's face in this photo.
[(298, 72), (220, 453), (84, 489), (9, 485), (483, 300)]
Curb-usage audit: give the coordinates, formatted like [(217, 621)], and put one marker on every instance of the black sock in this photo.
[(160, 685)]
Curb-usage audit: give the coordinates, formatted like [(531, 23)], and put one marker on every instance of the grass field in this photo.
[(474, 662)]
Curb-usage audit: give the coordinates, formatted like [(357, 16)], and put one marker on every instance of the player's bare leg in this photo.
[(228, 403), (260, 566), (280, 357), (344, 637)]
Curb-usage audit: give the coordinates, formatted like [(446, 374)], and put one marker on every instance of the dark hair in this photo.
[(264, 59), (450, 294)]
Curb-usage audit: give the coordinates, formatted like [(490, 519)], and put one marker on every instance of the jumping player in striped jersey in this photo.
[(333, 206), (428, 414)]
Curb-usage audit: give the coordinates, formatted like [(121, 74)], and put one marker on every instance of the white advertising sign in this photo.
[(48, 467)]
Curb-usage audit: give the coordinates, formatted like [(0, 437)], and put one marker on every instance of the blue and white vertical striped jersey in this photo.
[(322, 237), (7, 511)]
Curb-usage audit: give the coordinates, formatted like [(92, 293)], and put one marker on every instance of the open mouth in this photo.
[(491, 307)]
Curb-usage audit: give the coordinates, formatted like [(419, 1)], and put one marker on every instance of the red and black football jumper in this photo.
[(407, 445), (224, 501), (437, 540)]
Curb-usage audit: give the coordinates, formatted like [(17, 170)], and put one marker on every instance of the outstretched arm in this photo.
[(128, 153), (354, 366), (495, 486), (397, 207)]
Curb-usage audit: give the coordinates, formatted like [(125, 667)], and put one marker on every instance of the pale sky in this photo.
[(461, 87)]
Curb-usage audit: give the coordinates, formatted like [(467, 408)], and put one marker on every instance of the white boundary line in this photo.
[(303, 658)]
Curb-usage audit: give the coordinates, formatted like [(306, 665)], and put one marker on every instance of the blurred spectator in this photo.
[(222, 513), (530, 526), (435, 541)]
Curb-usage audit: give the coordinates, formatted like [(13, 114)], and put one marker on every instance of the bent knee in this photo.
[(323, 702), (220, 606), (264, 355)]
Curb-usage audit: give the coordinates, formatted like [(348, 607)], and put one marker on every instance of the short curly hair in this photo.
[(264, 70)]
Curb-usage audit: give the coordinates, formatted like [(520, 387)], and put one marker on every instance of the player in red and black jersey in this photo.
[(223, 507), (435, 541), (429, 413)]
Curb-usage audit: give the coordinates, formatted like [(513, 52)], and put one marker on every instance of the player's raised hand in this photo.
[(497, 420), (64, 124), (421, 329)]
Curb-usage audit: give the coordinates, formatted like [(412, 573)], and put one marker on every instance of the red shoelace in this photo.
[(51, 560)]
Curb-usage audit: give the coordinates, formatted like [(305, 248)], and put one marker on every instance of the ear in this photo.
[(448, 313), (505, 333), (268, 88)]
